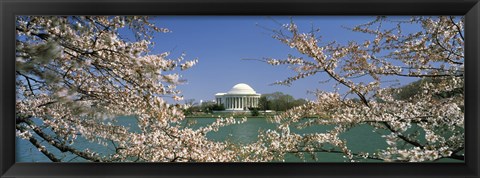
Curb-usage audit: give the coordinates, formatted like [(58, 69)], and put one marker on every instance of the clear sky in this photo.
[(221, 42)]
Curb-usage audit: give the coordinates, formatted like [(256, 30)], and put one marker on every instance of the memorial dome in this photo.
[(239, 98), (241, 88)]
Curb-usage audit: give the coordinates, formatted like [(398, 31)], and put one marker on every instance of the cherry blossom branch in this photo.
[(56, 144), (37, 144)]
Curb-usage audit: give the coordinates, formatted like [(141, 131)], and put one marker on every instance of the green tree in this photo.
[(218, 107), (210, 106), (279, 101), (264, 103), (254, 111), (298, 102)]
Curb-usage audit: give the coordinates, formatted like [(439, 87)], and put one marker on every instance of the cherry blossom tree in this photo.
[(75, 74), (427, 126)]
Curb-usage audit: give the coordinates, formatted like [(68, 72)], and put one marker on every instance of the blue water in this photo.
[(360, 138)]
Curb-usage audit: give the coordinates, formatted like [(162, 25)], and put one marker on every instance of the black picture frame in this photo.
[(10, 8)]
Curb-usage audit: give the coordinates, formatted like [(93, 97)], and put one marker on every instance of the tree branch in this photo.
[(40, 147), (62, 147)]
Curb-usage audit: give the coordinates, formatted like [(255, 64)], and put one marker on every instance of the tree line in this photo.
[(279, 101)]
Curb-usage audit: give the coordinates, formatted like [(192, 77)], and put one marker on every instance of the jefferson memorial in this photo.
[(239, 98)]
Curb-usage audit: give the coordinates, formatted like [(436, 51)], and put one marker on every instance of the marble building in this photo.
[(239, 98)]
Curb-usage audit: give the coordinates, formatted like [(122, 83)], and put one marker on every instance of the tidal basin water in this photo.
[(360, 138)]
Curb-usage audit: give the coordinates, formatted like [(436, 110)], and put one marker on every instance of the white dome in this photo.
[(241, 88)]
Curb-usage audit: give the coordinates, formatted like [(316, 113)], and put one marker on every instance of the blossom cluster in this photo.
[(76, 74), (426, 126)]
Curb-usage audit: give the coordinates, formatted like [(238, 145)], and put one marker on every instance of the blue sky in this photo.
[(221, 42)]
